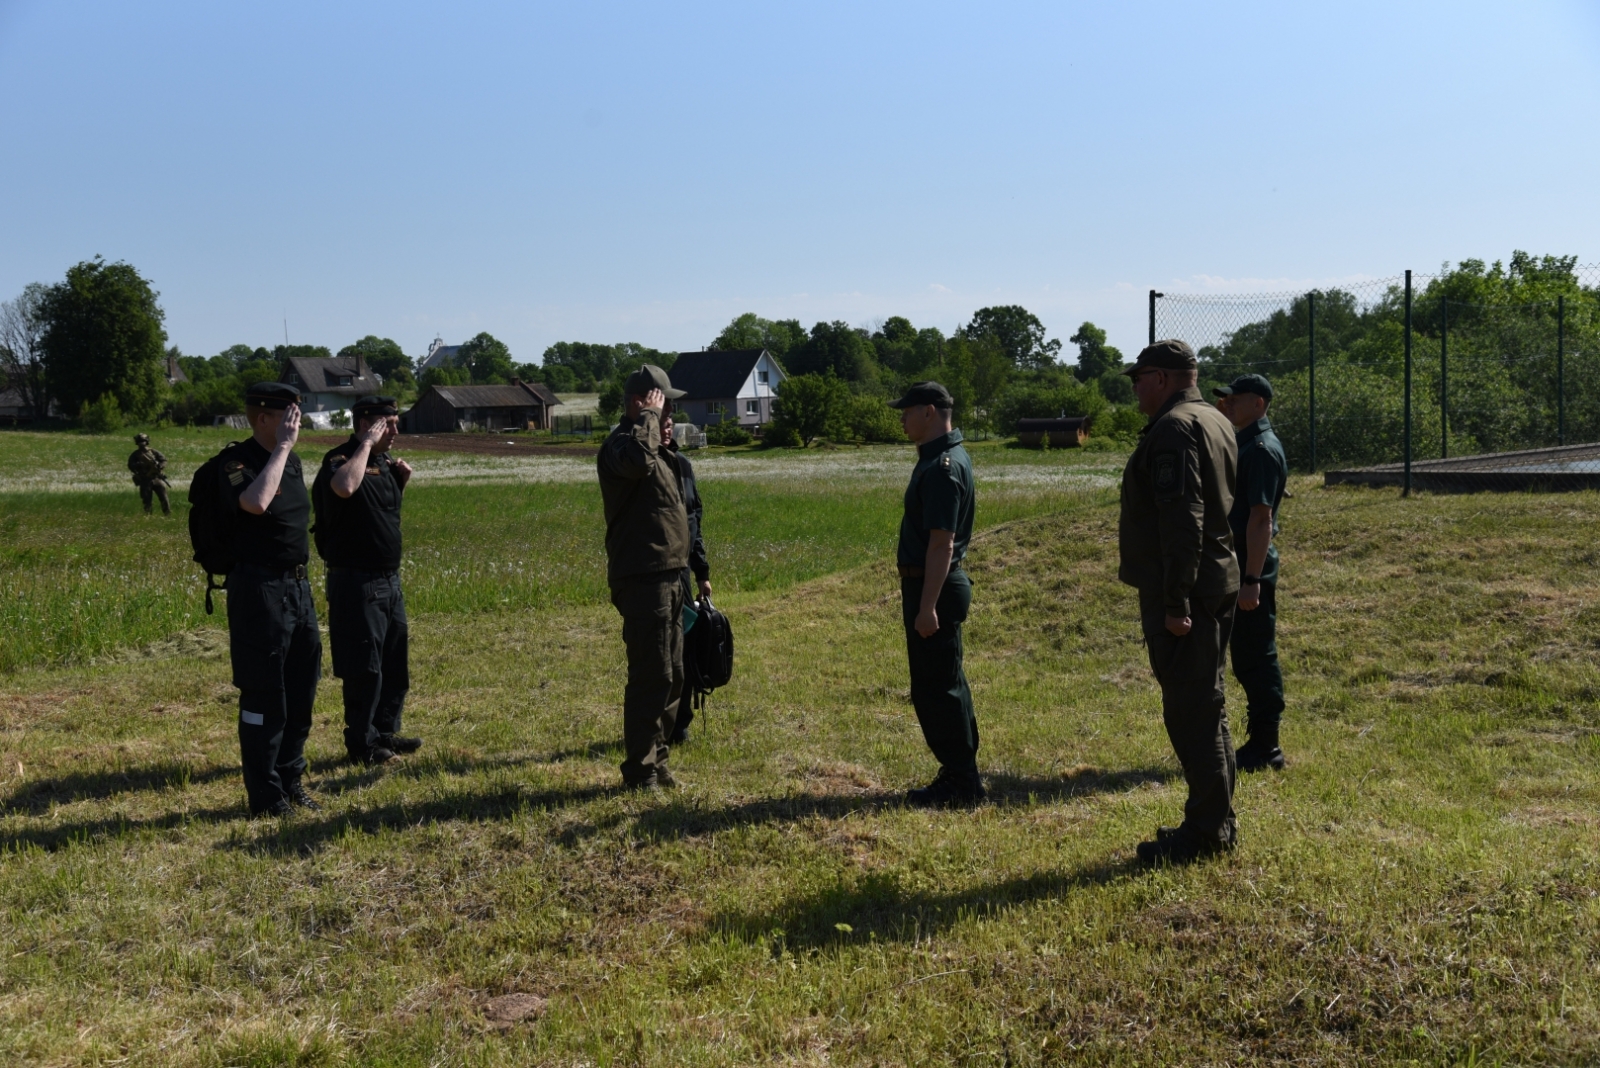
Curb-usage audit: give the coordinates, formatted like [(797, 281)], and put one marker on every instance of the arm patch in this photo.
[(1167, 472)]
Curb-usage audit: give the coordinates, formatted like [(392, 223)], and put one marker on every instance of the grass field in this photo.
[(1419, 886)]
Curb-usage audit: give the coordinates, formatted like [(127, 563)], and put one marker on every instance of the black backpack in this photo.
[(707, 653), (211, 513)]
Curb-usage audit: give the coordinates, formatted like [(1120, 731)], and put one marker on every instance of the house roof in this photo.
[(713, 375), (516, 395), (319, 375), (439, 355)]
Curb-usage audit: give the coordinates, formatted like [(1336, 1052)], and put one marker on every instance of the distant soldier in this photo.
[(273, 638), (1263, 476), (357, 497), (149, 473), (647, 549), (699, 565), (935, 594), (1177, 549)]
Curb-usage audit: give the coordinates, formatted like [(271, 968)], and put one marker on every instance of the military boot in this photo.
[(1259, 754), (298, 796), (1177, 845), (949, 789), (396, 744)]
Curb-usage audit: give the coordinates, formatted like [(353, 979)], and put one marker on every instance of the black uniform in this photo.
[(940, 497), (272, 627), (359, 539), (699, 569), (1263, 474)]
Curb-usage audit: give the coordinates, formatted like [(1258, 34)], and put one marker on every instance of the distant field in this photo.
[(1421, 886)]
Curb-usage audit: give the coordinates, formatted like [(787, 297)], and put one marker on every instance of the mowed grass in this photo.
[(1420, 885)]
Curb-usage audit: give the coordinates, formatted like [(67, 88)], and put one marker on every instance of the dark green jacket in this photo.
[(1263, 474), (938, 497), (647, 529), (1177, 491)]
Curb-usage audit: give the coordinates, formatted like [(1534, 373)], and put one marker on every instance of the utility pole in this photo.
[(1407, 491)]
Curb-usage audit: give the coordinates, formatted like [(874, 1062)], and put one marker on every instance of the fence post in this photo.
[(1407, 491), (1561, 376), (1444, 379), (1153, 296), (1311, 335)]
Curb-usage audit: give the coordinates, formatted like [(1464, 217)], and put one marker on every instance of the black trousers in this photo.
[(1254, 648), (371, 652), (1193, 707), (158, 489), (651, 607), (277, 660), (939, 690)]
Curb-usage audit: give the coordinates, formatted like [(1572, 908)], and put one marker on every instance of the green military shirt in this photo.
[(1177, 491), (939, 497), (1263, 475)]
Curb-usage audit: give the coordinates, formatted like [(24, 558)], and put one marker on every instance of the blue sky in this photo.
[(632, 172)]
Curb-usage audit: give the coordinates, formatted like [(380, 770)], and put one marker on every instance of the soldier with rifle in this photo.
[(149, 474)]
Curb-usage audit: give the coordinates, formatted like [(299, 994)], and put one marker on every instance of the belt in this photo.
[(912, 572), (332, 570), (296, 572)]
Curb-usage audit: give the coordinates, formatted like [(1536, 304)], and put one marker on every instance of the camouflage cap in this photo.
[(1256, 384), (925, 393), (274, 395), (651, 377), (1170, 355), (373, 405)]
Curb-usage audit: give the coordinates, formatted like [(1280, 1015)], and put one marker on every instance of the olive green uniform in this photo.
[(147, 464), (1263, 474), (1177, 550), (647, 550), (940, 497)]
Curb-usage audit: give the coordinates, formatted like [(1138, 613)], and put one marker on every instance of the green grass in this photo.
[(1420, 886)]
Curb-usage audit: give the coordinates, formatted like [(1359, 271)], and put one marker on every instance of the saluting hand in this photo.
[(655, 399), (289, 426), (375, 433)]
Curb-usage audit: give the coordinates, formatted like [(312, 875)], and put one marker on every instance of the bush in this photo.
[(866, 418), (1045, 400), (101, 416), (1119, 425), (727, 434), (782, 437), (340, 419), (810, 406)]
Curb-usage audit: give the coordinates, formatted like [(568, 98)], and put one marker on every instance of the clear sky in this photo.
[(644, 172)]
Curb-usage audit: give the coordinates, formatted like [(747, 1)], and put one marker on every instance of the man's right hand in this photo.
[(1250, 597), (655, 399), (375, 433), (289, 427), (1179, 625)]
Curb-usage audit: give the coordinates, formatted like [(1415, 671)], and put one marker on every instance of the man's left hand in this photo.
[(1179, 625), (705, 589), (927, 623), (402, 472), (1250, 597)]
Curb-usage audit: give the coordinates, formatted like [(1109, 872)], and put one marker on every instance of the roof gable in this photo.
[(715, 375), (315, 374)]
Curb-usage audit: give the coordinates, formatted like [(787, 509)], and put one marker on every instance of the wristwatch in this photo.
[(1252, 580)]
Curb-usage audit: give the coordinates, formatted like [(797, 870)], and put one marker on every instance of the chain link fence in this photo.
[(1416, 380)]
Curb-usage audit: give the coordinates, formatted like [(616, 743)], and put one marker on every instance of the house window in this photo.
[(344, 380), (752, 407), (294, 379), (761, 376)]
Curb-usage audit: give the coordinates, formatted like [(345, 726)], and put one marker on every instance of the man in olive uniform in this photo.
[(148, 466), (935, 593), (699, 564), (647, 548), (1177, 550), (1263, 475), (272, 622), (357, 497)]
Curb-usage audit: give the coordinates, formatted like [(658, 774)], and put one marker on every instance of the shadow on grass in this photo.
[(85, 832), (36, 798), (878, 905)]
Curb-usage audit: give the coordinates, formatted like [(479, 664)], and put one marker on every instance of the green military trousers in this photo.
[(651, 607), (939, 689), (157, 488), (1190, 671), (1254, 648)]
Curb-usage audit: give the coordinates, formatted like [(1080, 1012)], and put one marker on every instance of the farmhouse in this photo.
[(734, 386), (329, 384), (519, 406)]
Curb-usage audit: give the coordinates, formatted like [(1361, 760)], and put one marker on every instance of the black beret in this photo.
[(273, 395), (371, 405), (1170, 355), (925, 393)]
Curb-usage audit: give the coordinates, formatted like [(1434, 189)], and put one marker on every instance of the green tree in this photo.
[(750, 331), (102, 333), (1017, 331), (611, 401), (1095, 357), (447, 375), (837, 347), (895, 342), (593, 365), (384, 356), (1041, 400), (298, 352), (21, 352), (487, 360), (808, 405), (101, 416)]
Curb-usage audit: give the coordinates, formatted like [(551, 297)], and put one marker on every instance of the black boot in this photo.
[(396, 744), (949, 789), (1259, 753), (295, 792)]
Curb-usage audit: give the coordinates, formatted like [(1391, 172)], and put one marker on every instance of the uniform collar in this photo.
[(943, 443), (1253, 431), (1183, 396)]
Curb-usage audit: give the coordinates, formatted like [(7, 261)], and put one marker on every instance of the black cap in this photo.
[(1256, 384), (925, 393), (274, 395), (1171, 355), (371, 405), (651, 377)]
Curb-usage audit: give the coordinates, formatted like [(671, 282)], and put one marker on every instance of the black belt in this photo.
[(297, 572), (920, 572), (332, 570)]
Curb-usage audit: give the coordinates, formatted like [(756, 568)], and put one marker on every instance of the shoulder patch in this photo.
[(1166, 472), (233, 465), (336, 462), (372, 469)]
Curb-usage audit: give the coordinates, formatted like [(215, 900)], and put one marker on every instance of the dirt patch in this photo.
[(508, 1010)]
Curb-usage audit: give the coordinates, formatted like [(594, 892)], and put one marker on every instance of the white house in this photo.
[(734, 386)]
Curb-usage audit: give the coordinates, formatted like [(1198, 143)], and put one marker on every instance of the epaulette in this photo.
[(944, 461)]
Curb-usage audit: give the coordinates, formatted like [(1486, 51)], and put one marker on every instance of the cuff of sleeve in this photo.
[(702, 575), (1178, 610)]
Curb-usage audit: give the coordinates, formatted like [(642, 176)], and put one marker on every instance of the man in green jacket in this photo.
[(1177, 549), (647, 550)]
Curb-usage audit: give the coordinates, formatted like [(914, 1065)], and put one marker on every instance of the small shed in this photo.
[(519, 406), (1064, 432)]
